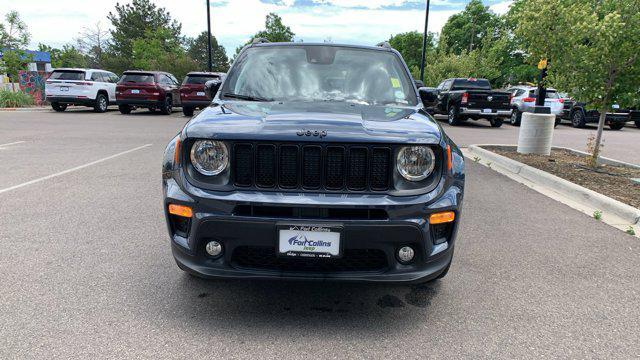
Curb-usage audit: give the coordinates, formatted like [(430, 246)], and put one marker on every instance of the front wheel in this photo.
[(102, 103), (496, 122), (616, 125), (59, 107), (453, 117), (187, 111), (167, 106), (124, 109)]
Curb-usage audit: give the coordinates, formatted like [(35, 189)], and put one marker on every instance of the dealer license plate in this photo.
[(200, 93), (309, 241), (135, 91), (486, 111)]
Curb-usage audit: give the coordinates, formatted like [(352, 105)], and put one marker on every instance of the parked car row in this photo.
[(154, 90), (463, 99)]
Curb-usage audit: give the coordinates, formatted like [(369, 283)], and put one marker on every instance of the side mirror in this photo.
[(212, 86), (429, 96), (418, 83)]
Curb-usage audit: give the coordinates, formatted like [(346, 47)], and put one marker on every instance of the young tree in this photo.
[(13, 33), (197, 50), (14, 62), (592, 47)]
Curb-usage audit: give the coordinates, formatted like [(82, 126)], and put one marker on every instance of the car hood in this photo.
[(330, 122)]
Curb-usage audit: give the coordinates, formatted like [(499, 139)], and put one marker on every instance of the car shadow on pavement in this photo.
[(288, 303)]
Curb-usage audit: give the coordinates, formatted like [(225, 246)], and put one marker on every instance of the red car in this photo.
[(192, 91), (155, 90)]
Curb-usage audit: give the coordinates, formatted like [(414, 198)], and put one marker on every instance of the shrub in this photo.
[(11, 99)]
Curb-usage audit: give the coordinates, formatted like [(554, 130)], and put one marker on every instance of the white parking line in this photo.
[(72, 169), (11, 143)]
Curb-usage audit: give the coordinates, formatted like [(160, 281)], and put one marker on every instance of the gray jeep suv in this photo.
[(314, 161)]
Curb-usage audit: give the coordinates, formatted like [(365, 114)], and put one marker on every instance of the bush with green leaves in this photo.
[(10, 99)]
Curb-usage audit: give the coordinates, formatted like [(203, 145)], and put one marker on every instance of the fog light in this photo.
[(214, 248), (405, 254)]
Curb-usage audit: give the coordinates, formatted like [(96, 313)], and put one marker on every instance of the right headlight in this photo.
[(415, 163), (209, 157)]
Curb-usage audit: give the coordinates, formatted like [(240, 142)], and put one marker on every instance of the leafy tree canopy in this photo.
[(13, 32), (274, 30), (197, 50), (467, 30), (409, 44)]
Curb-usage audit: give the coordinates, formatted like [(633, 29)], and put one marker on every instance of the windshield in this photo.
[(198, 79), (320, 73), (137, 78), (67, 75), (471, 84)]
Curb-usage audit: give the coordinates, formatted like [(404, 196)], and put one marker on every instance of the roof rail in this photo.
[(384, 44), (259, 40)]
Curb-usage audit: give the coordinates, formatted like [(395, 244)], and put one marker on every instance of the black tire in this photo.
[(558, 121), (167, 106), (578, 119), (616, 125), (637, 123), (152, 109), (187, 111), (496, 122), (516, 117), (453, 118), (124, 109), (102, 103), (58, 107)]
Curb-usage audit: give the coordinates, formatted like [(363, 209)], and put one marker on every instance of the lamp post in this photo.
[(210, 67), (424, 42)]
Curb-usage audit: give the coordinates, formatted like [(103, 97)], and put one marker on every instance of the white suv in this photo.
[(85, 87)]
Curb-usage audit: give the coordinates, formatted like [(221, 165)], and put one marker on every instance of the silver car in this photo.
[(524, 100)]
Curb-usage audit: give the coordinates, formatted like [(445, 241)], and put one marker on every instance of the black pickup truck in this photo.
[(461, 99), (580, 115)]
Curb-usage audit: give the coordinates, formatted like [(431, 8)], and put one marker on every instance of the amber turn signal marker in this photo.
[(176, 154), (180, 210), (442, 218), (449, 164)]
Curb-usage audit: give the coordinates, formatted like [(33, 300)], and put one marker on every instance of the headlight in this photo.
[(415, 163), (209, 157)]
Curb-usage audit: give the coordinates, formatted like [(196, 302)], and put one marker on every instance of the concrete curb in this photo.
[(577, 193), (23, 109)]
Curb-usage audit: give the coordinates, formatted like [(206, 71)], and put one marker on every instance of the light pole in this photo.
[(210, 67), (424, 42)]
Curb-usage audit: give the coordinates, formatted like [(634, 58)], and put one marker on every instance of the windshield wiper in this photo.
[(244, 97)]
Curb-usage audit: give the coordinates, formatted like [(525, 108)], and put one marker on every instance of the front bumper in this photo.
[(481, 113), (215, 218)]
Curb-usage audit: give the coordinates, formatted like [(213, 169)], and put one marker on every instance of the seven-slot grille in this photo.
[(333, 167)]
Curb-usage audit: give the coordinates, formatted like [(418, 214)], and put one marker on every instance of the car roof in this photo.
[(80, 69), (528, 87), (294, 44), (154, 72), (205, 73)]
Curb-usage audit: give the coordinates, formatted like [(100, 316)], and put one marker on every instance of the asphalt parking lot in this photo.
[(86, 267)]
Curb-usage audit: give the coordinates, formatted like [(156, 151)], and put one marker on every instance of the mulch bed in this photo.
[(612, 181)]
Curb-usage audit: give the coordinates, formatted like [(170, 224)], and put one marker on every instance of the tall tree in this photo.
[(67, 57), (93, 43), (592, 47), (13, 32), (197, 50), (467, 30), (132, 22), (409, 44), (274, 30)]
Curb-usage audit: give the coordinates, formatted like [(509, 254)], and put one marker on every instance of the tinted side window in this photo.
[(520, 92)]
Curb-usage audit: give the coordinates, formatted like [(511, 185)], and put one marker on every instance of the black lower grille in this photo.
[(333, 167), (265, 258)]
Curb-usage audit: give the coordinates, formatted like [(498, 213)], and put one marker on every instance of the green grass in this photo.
[(9, 99)]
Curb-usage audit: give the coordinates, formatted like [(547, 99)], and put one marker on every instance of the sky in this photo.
[(364, 22)]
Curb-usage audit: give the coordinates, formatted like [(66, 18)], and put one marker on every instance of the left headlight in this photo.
[(415, 163), (209, 157)]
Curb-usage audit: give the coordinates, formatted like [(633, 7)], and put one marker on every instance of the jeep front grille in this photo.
[(331, 167)]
